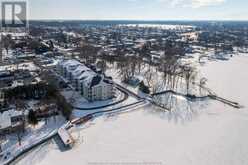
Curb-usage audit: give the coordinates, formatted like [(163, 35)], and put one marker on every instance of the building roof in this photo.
[(5, 73), (65, 136), (23, 66), (96, 80), (83, 73), (5, 118)]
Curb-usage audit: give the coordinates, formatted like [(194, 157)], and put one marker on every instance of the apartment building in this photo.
[(92, 86)]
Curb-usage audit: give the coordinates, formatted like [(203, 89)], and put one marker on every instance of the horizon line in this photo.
[(146, 20)]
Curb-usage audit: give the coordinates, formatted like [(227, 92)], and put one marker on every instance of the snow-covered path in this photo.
[(211, 134)]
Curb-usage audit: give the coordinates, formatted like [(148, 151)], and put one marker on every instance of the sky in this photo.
[(139, 9)]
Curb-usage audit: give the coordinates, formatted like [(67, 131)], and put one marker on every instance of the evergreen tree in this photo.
[(144, 88), (32, 118)]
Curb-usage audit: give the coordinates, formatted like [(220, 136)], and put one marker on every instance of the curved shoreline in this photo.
[(95, 114)]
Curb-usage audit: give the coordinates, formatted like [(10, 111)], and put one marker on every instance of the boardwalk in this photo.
[(194, 98)]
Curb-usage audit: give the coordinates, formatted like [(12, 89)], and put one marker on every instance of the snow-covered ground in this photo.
[(31, 136), (80, 113), (79, 101), (34, 133), (212, 133), (228, 79)]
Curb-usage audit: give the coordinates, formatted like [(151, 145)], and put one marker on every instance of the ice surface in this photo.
[(214, 134)]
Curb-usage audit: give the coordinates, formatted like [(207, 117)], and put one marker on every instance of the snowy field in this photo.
[(210, 134)]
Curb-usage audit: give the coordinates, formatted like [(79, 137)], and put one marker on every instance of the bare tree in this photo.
[(102, 65), (1, 141), (88, 52), (127, 68), (189, 75), (19, 137), (157, 87), (20, 106), (170, 68), (7, 42), (203, 82), (149, 78)]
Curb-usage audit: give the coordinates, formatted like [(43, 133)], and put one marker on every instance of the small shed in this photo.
[(65, 136)]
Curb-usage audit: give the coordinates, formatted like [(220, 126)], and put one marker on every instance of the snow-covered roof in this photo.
[(5, 118), (70, 64), (5, 73), (78, 70), (23, 66), (82, 73), (82, 70), (65, 136)]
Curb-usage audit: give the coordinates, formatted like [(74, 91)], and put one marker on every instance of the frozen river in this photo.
[(213, 134)]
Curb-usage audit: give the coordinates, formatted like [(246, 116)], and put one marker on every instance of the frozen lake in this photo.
[(213, 134)]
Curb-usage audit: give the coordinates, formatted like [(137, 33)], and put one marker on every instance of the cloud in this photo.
[(200, 3), (193, 3)]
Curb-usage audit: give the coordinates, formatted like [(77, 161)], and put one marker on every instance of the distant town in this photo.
[(56, 76)]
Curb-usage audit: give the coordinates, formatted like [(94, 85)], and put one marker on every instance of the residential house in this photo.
[(11, 121)]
